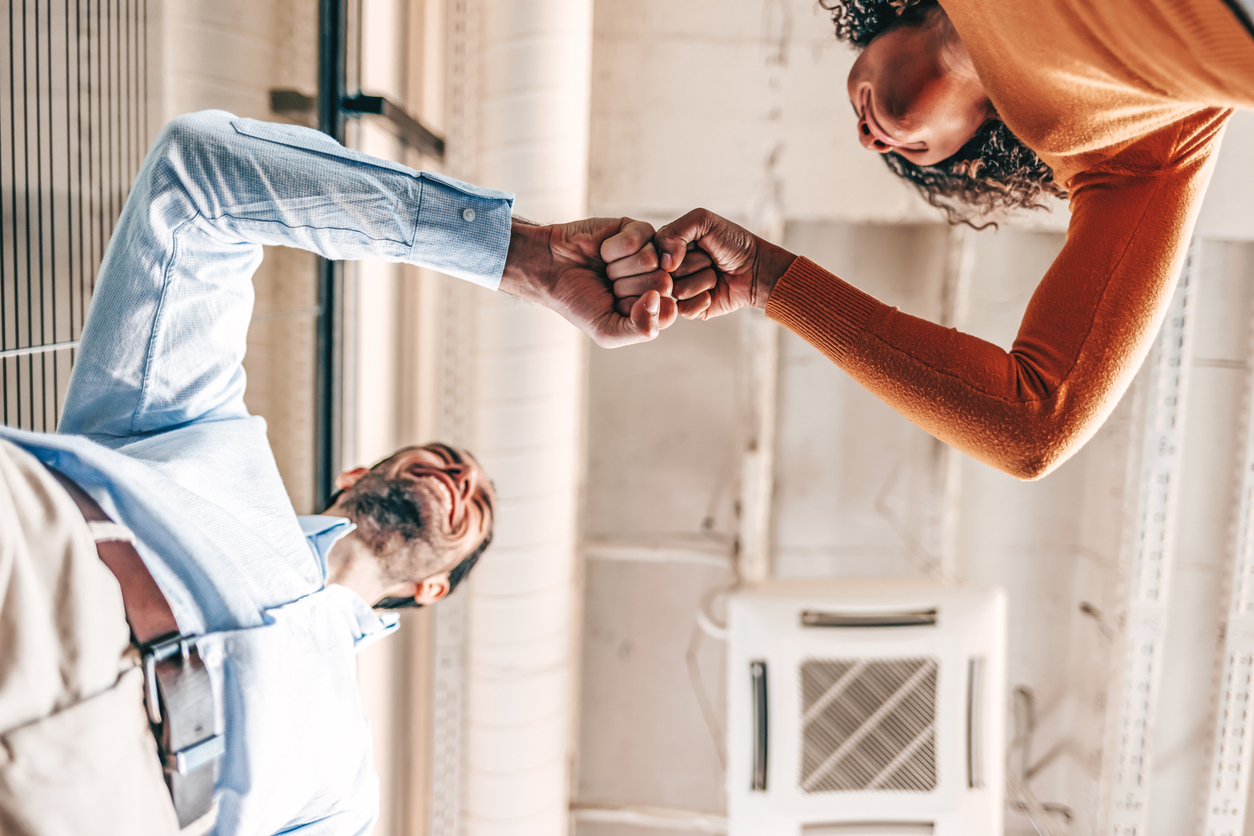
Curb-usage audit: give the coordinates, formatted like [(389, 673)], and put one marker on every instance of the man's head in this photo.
[(426, 513)]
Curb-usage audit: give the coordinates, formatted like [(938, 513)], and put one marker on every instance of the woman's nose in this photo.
[(869, 140)]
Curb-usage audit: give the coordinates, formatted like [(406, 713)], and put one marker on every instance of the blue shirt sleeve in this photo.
[(166, 333)]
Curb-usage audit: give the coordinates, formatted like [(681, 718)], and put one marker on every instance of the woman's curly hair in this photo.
[(994, 171)]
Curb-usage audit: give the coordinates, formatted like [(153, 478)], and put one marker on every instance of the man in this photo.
[(248, 617)]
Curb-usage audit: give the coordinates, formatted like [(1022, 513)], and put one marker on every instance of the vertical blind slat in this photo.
[(77, 132), (11, 248), (48, 317), (26, 189)]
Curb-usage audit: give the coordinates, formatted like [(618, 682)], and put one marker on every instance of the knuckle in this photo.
[(639, 229)]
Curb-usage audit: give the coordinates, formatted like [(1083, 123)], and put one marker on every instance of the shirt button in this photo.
[(468, 214)]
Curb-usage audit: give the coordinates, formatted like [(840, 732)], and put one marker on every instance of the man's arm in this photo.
[(167, 329)]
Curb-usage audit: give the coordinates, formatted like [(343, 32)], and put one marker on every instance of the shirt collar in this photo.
[(322, 533), (369, 626)]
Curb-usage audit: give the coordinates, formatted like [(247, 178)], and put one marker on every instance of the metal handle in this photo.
[(869, 828), (418, 136), (411, 131), (908, 618), (975, 722), (757, 674)]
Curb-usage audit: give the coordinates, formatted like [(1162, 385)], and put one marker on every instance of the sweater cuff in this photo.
[(824, 310)]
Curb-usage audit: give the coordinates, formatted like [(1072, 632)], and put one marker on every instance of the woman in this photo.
[(985, 106)]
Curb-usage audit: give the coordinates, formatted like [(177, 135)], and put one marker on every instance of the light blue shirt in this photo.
[(155, 429)]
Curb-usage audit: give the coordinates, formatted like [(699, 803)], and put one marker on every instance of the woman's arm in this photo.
[(1086, 331)]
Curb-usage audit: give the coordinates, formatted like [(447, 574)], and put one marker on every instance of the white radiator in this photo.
[(866, 708)]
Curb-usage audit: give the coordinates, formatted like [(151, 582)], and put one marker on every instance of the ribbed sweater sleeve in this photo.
[(1087, 329)]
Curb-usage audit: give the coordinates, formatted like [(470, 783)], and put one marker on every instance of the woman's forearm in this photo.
[(1085, 333)]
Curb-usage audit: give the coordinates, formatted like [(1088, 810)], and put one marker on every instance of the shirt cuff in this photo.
[(824, 310), (462, 230)]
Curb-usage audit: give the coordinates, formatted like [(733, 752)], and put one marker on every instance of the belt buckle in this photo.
[(158, 652), (194, 755)]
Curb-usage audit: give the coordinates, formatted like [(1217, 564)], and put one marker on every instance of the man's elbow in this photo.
[(189, 132), (185, 145)]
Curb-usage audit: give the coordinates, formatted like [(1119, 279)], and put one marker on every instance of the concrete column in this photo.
[(533, 82)]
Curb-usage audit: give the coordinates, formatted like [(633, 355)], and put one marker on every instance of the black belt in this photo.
[(178, 693)]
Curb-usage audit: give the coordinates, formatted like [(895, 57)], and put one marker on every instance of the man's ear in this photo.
[(432, 589), (350, 477)]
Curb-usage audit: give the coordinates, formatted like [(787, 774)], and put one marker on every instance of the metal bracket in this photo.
[(413, 133), (1150, 540)]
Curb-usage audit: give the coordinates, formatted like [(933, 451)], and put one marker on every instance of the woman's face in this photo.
[(916, 92)]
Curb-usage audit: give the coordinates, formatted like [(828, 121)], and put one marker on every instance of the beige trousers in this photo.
[(76, 755)]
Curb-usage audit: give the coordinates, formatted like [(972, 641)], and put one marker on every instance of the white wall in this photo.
[(709, 103)]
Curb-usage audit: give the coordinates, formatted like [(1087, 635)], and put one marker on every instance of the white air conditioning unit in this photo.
[(866, 708)]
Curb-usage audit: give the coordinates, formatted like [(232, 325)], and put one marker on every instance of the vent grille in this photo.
[(868, 724)]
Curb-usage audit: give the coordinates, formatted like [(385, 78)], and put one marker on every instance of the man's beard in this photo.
[(390, 517)]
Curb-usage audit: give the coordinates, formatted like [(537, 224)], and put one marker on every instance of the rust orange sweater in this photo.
[(1126, 100)]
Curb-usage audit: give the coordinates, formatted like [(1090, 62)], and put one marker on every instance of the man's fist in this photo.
[(563, 267)]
